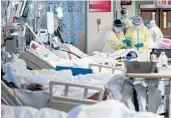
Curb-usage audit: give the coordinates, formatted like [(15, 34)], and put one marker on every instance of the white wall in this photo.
[(95, 40)]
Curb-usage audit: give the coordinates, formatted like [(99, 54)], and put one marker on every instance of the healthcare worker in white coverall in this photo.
[(125, 19), (155, 32)]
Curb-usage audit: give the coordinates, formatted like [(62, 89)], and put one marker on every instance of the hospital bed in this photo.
[(64, 103), (57, 100), (38, 57), (42, 97)]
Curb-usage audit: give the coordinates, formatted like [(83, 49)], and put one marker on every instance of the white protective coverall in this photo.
[(155, 31)]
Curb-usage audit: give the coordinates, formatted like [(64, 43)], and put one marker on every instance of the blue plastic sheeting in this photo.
[(75, 71)]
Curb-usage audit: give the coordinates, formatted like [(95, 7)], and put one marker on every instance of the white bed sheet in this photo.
[(39, 99), (104, 109), (28, 112)]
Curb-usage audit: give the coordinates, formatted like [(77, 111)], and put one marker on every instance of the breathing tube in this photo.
[(68, 51)]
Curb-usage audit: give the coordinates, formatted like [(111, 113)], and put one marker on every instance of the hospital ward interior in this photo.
[(86, 59)]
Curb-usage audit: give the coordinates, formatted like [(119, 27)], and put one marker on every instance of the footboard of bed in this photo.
[(65, 103)]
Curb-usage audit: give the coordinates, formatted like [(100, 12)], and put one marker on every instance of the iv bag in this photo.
[(60, 12)]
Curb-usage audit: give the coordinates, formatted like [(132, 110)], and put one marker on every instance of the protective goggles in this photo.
[(118, 25), (137, 21)]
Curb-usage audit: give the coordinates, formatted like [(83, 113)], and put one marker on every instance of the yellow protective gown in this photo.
[(113, 41), (139, 36)]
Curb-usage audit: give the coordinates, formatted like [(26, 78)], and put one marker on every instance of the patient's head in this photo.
[(34, 46)]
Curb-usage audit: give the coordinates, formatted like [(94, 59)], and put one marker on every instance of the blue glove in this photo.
[(138, 45), (127, 41)]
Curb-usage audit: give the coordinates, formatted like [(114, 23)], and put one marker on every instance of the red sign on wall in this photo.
[(162, 3), (126, 2), (100, 6)]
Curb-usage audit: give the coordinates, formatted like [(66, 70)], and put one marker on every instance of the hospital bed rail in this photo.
[(65, 102), (100, 66), (7, 97)]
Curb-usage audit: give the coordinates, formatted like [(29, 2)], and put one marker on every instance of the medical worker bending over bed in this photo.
[(138, 37), (125, 19), (113, 38)]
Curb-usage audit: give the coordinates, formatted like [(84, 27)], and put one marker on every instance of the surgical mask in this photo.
[(125, 16), (149, 27), (118, 29)]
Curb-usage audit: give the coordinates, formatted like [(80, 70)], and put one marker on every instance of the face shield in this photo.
[(124, 16), (117, 26), (147, 24), (153, 23), (137, 22), (124, 13)]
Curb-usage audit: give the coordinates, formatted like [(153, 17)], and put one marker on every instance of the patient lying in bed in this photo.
[(33, 80)]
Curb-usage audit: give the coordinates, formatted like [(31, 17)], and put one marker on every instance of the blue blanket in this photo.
[(75, 71)]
